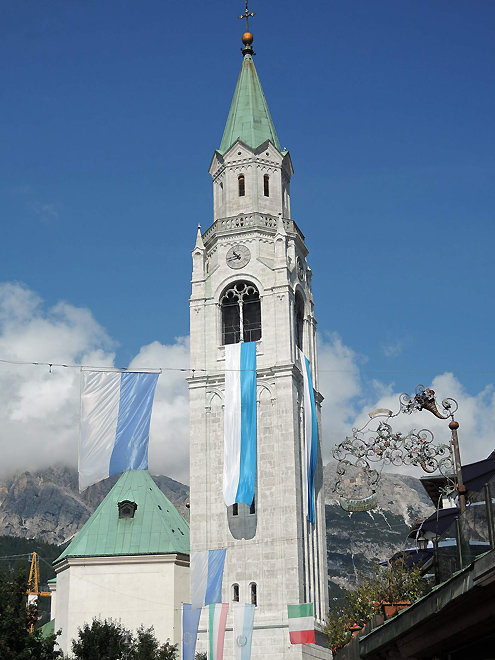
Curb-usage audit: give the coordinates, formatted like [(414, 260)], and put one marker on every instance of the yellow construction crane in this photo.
[(33, 591)]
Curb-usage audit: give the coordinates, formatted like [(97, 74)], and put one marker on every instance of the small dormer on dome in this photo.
[(127, 509)]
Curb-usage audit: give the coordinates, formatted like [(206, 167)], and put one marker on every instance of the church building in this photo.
[(129, 563), (251, 282)]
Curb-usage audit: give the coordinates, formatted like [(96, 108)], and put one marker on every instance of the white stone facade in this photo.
[(135, 590), (286, 556)]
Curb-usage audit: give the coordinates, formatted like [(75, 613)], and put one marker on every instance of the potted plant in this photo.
[(388, 590)]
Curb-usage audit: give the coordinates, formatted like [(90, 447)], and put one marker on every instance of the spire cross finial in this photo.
[(247, 15)]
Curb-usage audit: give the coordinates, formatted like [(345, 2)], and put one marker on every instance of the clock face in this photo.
[(238, 256)]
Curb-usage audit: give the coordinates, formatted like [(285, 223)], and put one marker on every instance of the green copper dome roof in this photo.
[(156, 528), (249, 119)]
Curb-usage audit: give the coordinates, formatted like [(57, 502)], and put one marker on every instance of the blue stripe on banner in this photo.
[(313, 450), (247, 475), (216, 561), (130, 451)]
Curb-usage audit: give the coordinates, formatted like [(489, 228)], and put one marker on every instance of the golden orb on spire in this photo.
[(247, 38)]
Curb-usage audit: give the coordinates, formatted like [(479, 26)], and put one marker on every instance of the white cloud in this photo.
[(47, 211), (476, 415), (349, 399), (169, 432), (340, 383), (40, 410), (395, 347)]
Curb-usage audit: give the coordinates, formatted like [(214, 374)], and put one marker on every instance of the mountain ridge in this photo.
[(46, 505)]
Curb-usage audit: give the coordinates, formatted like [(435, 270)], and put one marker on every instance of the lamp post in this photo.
[(424, 399), (422, 543), (368, 445)]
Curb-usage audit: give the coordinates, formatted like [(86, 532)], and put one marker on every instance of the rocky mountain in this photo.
[(357, 541), (47, 506)]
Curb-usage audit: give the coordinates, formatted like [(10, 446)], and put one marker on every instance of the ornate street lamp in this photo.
[(369, 445), (424, 399), (422, 543)]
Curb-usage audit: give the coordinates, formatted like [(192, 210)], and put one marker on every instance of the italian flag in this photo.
[(217, 620), (301, 623)]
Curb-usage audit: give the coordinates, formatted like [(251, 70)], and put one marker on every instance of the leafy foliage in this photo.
[(109, 640), (201, 655), (16, 643), (396, 583), (15, 552)]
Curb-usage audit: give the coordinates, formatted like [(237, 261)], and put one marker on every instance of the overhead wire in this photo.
[(112, 369)]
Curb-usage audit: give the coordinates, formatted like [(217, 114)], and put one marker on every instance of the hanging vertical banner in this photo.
[(239, 468), (310, 436), (217, 619), (206, 577), (243, 630), (301, 623), (190, 624), (115, 423)]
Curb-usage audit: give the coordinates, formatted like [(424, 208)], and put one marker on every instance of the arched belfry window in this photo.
[(299, 310), (253, 588), (241, 182), (266, 185), (241, 313)]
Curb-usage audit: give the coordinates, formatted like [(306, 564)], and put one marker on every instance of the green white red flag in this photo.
[(301, 623)]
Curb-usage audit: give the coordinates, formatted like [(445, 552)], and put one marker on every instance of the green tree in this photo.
[(103, 640), (168, 652), (147, 644), (109, 640), (395, 583), (16, 643)]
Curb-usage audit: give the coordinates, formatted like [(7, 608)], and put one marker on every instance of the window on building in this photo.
[(235, 593), (241, 313), (252, 508), (254, 593), (235, 509), (299, 305), (266, 185), (241, 182)]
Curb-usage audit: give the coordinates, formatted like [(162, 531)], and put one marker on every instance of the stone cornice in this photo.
[(247, 222), (67, 562)]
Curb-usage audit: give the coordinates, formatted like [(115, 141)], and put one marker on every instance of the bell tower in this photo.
[(251, 282)]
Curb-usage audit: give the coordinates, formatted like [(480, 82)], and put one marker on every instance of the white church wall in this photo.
[(143, 590), (52, 586)]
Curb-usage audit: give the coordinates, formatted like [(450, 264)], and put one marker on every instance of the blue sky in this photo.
[(112, 110)]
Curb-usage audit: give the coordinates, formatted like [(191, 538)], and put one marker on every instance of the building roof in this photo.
[(156, 528), (249, 118)]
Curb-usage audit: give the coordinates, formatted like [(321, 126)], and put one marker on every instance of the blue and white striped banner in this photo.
[(310, 436), (243, 630), (206, 577), (239, 469), (115, 423)]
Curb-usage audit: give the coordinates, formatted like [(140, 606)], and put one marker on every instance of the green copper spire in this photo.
[(249, 119)]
